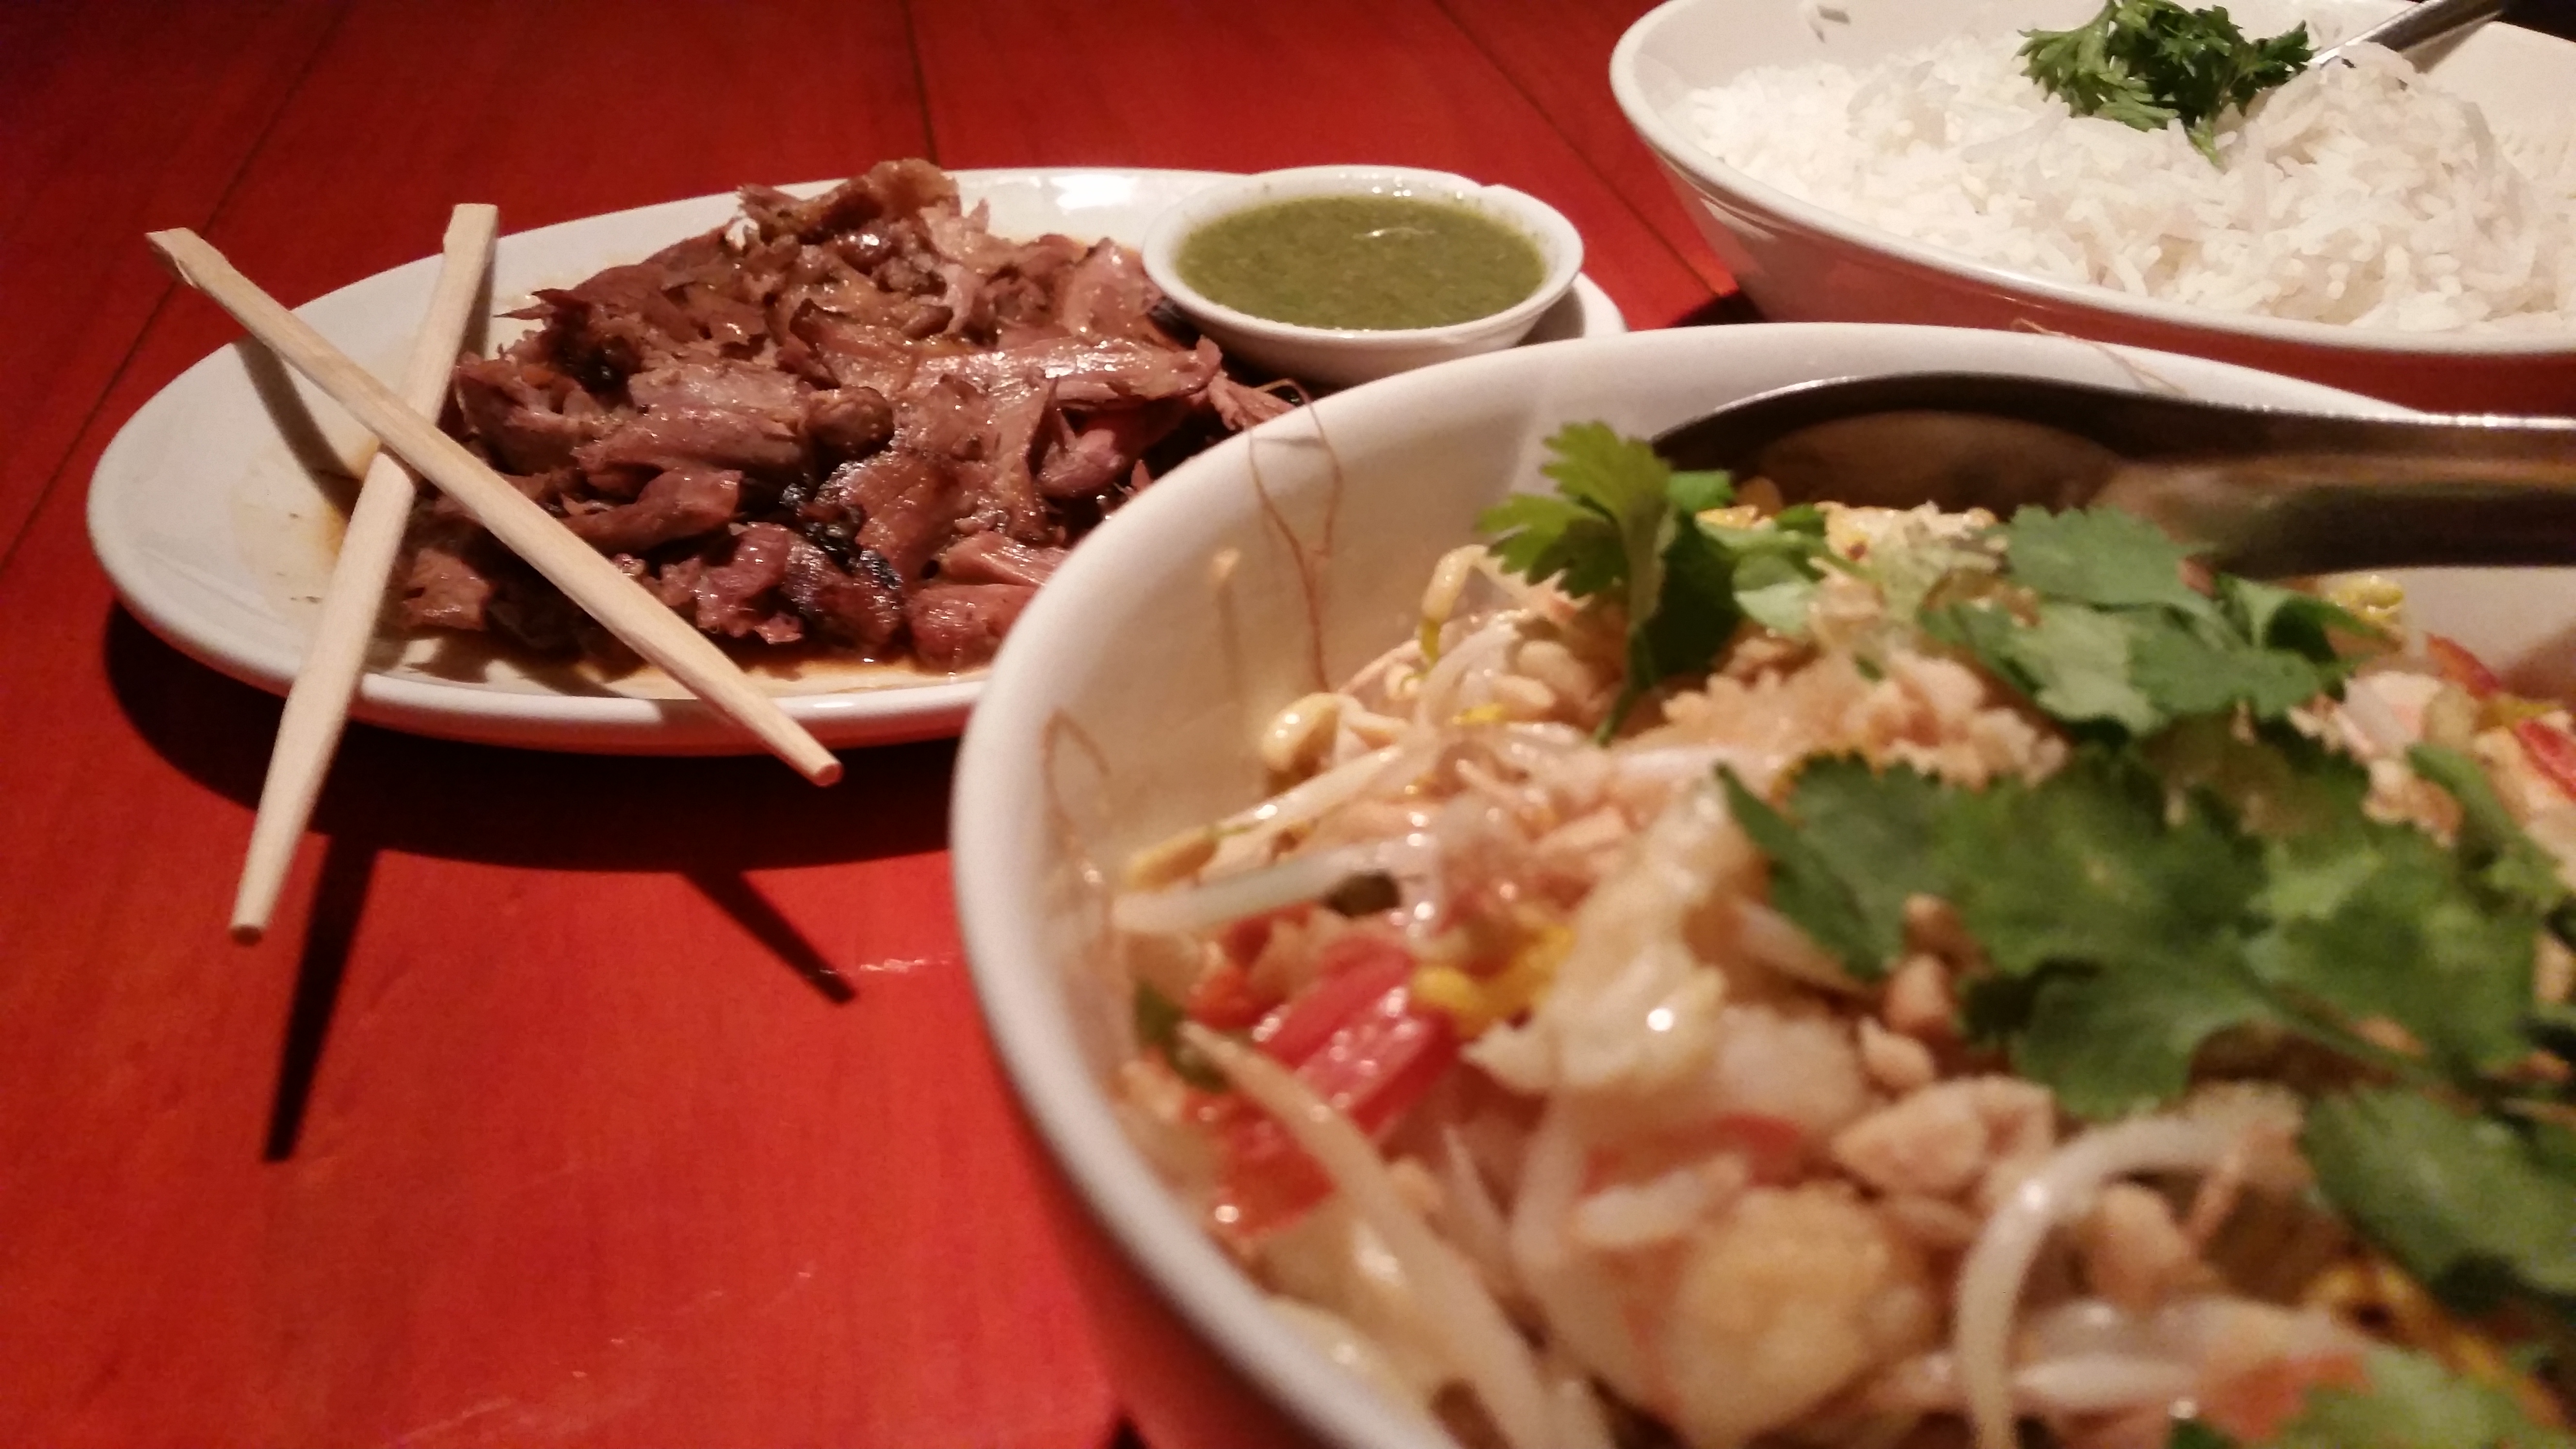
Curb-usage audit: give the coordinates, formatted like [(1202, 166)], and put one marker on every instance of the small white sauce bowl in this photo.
[(1341, 356)]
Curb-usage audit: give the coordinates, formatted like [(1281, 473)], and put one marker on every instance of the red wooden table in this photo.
[(572, 1100)]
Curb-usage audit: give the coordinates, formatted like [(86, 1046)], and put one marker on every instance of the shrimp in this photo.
[(1634, 1008), (1771, 1303)]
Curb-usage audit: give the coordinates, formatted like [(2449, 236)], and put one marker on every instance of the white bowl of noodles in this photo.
[(1132, 703), (1928, 195)]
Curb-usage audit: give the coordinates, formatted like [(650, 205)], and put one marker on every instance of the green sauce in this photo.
[(1371, 262)]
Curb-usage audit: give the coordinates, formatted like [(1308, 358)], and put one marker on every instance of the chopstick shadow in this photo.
[(339, 899), (690, 816), (740, 899), (1727, 310), (709, 821), (322, 964), (333, 465)]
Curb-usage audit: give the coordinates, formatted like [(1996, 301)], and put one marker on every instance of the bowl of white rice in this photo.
[(2403, 232)]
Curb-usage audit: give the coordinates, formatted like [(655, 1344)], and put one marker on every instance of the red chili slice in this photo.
[(1358, 1041), (1352, 972), (2551, 751), (1224, 998), (2454, 662), (1384, 1059)]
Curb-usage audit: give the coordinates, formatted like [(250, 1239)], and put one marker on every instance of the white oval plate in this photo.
[(216, 510)]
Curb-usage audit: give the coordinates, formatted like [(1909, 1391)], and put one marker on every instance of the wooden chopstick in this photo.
[(585, 575), (318, 704)]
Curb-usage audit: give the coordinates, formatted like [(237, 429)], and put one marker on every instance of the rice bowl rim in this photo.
[(1688, 157), (998, 833)]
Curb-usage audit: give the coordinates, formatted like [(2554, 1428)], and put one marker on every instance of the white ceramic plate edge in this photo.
[(176, 609)]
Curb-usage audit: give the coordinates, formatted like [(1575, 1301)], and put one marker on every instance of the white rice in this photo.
[(2365, 195)]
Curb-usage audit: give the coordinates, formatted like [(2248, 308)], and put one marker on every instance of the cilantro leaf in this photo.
[(2078, 661), (1803, 520), (1984, 628), (2378, 920), (2123, 910), (2115, 1042), (1615, 530), (2276, 781), (1699, 490), (2136, 668), (1622, 480), (1603, 532), (1775, 593), (2145, 63), (1623, 525), (2127, 921), (2090, 868), (2189, 668), (2412, 1401), (2073, 662), (2510, 863), (2554, 1148), (2303, 623), (2553, 1030), (1776, 567), (1158, 1027), (1713, 579), (1859, 847), (2100, 556), (1542, 538), (2080, 67), (2466, 1205), (1693, 615), (2108, 632), (1913, 562)]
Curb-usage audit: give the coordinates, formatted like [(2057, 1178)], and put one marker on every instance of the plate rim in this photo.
[(604, 723)]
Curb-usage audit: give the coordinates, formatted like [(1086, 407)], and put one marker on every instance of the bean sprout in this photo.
[(1990, 1281), (1480, 1341)]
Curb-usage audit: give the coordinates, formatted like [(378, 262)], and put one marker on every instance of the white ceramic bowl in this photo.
[(1799, 262), (1127, 703), (1335, 356)]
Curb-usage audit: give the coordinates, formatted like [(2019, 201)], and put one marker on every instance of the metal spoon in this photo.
[(2271, 492), (2418, 25)]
